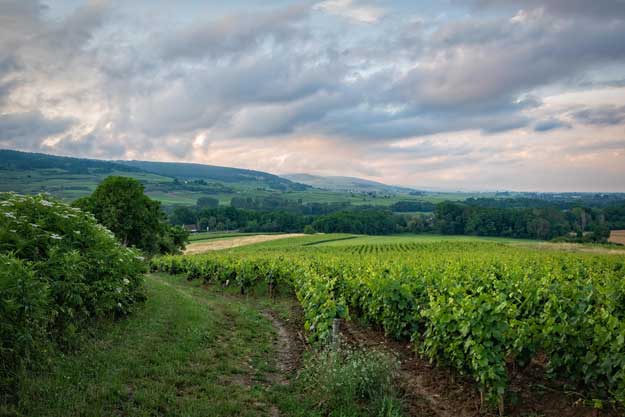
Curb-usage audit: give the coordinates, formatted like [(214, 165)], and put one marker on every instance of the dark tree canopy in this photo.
[(203, 202), (119, 204)]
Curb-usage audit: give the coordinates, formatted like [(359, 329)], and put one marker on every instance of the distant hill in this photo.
[(21, 161), (214, 173), (347, 184), (172, 183)]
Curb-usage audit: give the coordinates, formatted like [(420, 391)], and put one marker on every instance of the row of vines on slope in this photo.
[(481, 308)]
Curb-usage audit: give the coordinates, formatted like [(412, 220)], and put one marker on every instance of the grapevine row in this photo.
[(484, 309)]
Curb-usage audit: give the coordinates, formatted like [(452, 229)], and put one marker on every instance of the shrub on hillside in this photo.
[(61, 270)]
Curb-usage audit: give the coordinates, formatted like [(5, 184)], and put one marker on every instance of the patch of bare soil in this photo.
[(431, 390), (572, 247), (233, 242), (287, 356)]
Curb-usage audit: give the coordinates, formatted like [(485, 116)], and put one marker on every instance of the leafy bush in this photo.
[(61, 270), (120, 204)]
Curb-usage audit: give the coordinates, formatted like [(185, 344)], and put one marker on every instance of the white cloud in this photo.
[(351, 10)]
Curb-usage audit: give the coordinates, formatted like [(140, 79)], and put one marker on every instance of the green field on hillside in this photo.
[(412, 238)]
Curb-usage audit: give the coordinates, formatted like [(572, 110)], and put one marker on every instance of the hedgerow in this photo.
[(60, 272)]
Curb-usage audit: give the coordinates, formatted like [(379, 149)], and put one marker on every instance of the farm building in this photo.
[(617, 236)]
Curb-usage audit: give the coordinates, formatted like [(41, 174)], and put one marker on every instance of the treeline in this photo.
[(579, 224), (276, 202), (453, 218)]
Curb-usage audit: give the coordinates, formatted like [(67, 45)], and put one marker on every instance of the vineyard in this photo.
[(486, 310)]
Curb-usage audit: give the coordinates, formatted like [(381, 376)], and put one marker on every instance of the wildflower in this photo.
[(77, 232), (46, 203), (13, 231), (139, 258), (126, 281), (119, 290), (9, 215), (55, 236), (119, 305), (34, 225)]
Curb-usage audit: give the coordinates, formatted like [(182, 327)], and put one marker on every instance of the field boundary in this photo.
[(329, 240)]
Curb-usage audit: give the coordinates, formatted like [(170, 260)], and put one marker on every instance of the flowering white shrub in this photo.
[(59, 271)]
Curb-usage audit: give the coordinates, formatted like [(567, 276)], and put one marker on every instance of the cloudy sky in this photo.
[(452, 94)]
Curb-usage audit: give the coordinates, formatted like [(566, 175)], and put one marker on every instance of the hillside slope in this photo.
[(172, 183), (215, 173), (348, 184)]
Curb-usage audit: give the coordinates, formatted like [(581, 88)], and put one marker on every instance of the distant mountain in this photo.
[(347, 184)]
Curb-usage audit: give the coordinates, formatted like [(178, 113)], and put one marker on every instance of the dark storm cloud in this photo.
[(504, 59), (28, 130)]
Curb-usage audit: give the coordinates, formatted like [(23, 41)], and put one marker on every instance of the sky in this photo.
[(523, 95)]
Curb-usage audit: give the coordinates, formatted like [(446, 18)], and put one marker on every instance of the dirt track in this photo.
[(233, 242)]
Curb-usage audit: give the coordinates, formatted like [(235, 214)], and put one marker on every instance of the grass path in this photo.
[(187, 352)]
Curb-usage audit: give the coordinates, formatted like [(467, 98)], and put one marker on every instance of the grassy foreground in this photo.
[(183, 354), (192, 351)]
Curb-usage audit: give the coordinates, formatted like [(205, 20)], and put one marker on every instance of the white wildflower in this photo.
[(13, 231), (139, 258), (46, 203), (119, 305), (77, 232), (34, 225), (119, 290), (9, 215), (55, 236), (126, 281)]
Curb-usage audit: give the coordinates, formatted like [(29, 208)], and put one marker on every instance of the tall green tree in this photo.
[(119, 204)]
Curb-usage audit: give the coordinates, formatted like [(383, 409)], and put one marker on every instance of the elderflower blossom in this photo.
[(46, 203), (10, 215), (126, 281), (55, 236)]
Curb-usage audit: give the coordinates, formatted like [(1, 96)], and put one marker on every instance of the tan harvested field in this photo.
[(573, 247), (227, 243), (617, 236)]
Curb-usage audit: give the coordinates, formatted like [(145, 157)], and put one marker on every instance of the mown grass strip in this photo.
[(180, 355)]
